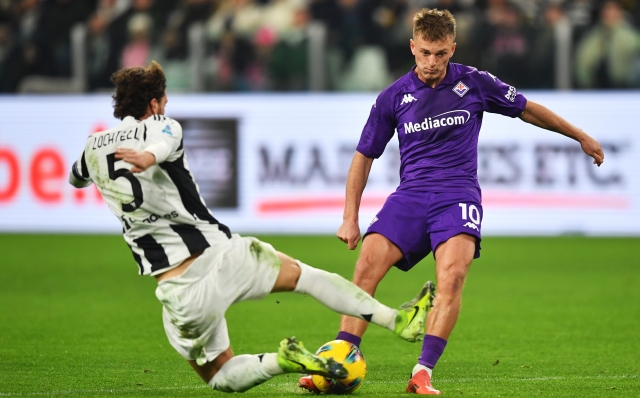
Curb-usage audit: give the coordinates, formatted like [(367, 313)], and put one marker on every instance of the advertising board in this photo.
[(278, 163)]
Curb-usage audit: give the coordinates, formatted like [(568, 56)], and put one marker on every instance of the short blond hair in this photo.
[(434, 25)]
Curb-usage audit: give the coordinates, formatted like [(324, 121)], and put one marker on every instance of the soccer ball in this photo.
[(351, 358)]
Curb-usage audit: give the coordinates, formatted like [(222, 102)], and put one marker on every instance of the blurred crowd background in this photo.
[(317, 45)]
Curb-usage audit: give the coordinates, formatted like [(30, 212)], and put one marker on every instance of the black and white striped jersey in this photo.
[(164, 218)]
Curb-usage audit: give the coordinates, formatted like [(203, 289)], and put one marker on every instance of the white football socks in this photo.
[(342, 296), (243, 372), (419, 367)]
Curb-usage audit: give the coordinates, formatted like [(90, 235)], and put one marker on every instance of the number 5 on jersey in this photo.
[(135, 184)]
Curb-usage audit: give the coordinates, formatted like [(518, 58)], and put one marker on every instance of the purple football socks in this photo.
[(432, 348), (351, 338)]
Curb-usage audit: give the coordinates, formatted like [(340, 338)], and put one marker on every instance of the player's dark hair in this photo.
[(135, 88), (434, 25)]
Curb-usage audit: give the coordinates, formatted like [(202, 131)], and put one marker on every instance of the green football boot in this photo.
[(410, 321), (294, 358)]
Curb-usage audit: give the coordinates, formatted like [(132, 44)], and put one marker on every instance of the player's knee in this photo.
[(370, 269), (288, 276), (206, 371), (452, 283), (223, 385), (366, 260), (366, 274)]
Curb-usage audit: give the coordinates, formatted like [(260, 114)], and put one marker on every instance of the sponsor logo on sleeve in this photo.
[(511, 94), (408, 98), (167, 130), (460, 89), (374, 220)]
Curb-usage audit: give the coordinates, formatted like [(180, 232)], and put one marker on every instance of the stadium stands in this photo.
[(318, 45)]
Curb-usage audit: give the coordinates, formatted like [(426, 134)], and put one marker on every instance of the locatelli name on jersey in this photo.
[(121, 135), (451, 118)]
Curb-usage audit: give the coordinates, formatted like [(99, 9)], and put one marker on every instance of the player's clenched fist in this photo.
[(349, 233), (592, 148), (140, 160)]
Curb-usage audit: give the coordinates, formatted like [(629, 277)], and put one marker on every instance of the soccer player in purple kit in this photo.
[(437, 111)]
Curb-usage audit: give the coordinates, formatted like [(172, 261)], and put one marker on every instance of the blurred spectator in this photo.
[(277, 15), (58, 18), (118, 30), (367, 71), (580, 12), (171, 55), (353, 27), (189, 13), (606, 55), (8, 53), (241, 16), (138, 49), (288, 60), (108, 10), (399, 56), (633, 8), (27, 18), (542, 58), (329, 13), (507, 43), (25, 42), (98, 51), (255, 75), (468, 50), (233, 55), (6, 11)]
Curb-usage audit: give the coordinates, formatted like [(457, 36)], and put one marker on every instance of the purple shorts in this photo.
[(417, 222)]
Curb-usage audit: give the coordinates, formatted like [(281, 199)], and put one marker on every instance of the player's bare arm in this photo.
[(543, 117), (349, 231), (141, 160)]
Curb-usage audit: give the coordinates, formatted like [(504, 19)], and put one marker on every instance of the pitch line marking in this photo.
[(466, 380)]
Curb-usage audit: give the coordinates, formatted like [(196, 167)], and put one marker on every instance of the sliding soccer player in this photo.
[(141, 170)]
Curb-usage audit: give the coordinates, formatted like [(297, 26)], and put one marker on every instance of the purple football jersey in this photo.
[(438, 127)]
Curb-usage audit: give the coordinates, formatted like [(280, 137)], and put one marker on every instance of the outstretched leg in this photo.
[(342, 296), (377, 256), (453, 259), (228, 373)]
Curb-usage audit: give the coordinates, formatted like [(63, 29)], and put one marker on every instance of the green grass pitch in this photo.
[(540, 317)]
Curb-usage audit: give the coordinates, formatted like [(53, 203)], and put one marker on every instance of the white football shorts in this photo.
[(195, 302)]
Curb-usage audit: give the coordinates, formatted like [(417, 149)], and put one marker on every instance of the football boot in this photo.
[(412, 315), (420, 383), (294, 358)]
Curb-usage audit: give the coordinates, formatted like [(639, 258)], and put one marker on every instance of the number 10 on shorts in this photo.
[(470, 212)]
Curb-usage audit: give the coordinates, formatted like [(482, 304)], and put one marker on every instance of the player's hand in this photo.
[(592, 148), (349, 233), (140, 160)]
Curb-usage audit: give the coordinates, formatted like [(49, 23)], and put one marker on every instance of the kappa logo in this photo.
[(408, 98), (374, 220), (460, 89), (471, 225)]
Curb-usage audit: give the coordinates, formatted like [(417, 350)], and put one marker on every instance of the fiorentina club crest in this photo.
[(460, 89)]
